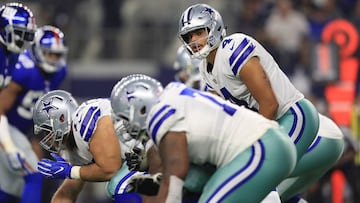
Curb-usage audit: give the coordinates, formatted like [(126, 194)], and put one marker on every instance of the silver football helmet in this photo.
[(201, 16), (188, 68), (132, 98), (52, 116), (49, 50)]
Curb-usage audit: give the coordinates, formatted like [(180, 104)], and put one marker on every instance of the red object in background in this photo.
[(341, 95), (338, 183)]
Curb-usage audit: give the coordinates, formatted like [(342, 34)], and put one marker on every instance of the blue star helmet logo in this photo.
[(209, 10), (47, 106)]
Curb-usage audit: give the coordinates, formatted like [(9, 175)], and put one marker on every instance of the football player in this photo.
[(86, 138), (17, 31), (239, 69), (189, 126), (38, 70), (187, 68)]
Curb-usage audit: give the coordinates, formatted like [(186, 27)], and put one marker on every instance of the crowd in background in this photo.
[(289, 29)]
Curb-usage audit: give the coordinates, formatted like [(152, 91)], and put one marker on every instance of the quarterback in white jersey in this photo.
[(190, 126), (239, 69), (231, 56)]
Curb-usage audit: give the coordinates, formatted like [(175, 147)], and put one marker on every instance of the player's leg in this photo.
[(320, 157), (301, 123), (116, 187), (32, 179), (197, 177), (6, 197), (254, 173), (11, 182), (324, 152)]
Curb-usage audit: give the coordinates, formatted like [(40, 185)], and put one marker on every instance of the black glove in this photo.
[(145, 184), (136, 159)]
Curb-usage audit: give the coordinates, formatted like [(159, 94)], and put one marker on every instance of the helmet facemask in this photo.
[(52, 61), (17, 27), (201, 16), (201, 45), (18, 39), (51, 141), (49, 49)]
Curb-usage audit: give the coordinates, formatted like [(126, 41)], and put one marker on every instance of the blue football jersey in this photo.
[(34, 84), (7, 64)]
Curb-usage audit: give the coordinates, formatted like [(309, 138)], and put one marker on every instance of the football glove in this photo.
[(145, 184), (55, 169), (16, 159), (136, 159)]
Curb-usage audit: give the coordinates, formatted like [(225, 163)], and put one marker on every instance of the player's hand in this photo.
[(145, 184), (55, 169), (16, 159), (136, 159)]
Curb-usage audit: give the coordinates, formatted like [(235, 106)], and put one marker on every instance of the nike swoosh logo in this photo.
[(59, 170)]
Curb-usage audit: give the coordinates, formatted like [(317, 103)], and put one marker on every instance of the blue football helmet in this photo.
[(49, 50), (17, 27)]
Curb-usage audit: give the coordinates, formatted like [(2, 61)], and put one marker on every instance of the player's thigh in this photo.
[(197, 176), (120, 181), (11, 181), (322, 154), (253, 173), (301, 123)]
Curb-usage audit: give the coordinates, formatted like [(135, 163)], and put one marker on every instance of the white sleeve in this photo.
[(5, 137)]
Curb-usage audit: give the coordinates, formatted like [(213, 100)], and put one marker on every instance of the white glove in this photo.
[(14, 155), (16, 159)]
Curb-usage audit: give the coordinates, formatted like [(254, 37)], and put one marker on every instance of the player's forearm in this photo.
[(269, 110), (68, 191), (95, 173)]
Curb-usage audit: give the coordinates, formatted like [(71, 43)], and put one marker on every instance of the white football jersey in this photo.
[(84, 124), (85, 120), (216, 130), (234, 51)]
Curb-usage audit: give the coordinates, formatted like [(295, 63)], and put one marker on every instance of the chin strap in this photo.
[(5, 138)]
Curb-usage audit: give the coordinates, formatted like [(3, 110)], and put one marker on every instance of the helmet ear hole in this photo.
[(143, 110), (62, 118)]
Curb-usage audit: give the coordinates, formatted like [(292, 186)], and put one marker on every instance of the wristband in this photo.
[(75, 172), (175, 190)]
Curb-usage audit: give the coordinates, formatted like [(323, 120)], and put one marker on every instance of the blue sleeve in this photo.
[(21, 75)]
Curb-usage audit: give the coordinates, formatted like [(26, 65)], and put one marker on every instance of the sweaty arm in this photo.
[(105, 148), (256, 80), (7, 98), (175, 162), (68, 191), (154, 160)]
